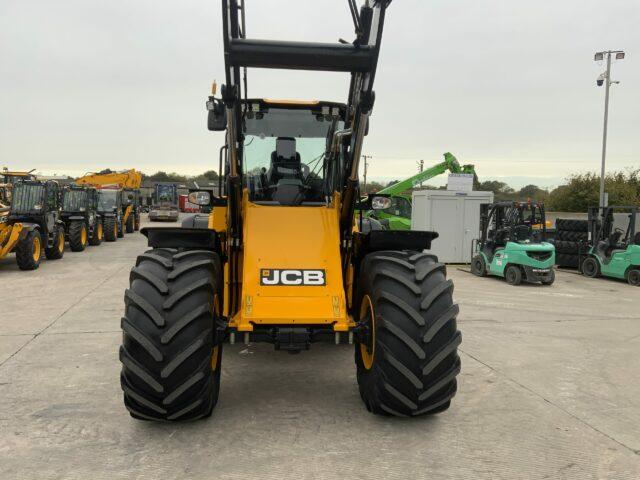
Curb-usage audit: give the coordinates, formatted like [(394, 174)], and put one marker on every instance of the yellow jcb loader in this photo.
[(286, 257)]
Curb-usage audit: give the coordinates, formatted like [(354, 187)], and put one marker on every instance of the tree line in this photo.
[(579, 192), (161, 176)]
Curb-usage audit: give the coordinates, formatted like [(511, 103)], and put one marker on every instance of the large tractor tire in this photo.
[(407, 359), (56, 251), (568, 261), (98, 234), (130, 226), (171, 350), (110, 229), (120, 224), (29, 251), (572, 225), (565, 246), (571, 236), (78, 236)]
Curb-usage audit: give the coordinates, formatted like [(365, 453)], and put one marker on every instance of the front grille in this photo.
[(540, 256)]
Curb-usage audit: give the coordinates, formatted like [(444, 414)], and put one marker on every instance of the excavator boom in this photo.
[(124, 179)]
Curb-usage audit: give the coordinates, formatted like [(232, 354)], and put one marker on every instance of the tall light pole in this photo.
[(605, 78), (366, 166)]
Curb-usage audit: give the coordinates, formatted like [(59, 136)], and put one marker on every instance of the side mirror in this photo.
[(200, 198), (380, 203), (217, 116), (374, 202)]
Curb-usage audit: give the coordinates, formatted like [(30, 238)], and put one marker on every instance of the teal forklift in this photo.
[(512, 243), (398, 215), (614, 251)]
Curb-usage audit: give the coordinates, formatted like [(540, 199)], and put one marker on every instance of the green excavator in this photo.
[(398, 215)]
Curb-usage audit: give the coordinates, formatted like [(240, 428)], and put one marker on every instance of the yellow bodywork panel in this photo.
[(125, 179), (292, 240), (127, 212), (218, 219), (9, 236)]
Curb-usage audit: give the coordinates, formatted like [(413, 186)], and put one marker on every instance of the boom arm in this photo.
[(450, 163), (124, 179)]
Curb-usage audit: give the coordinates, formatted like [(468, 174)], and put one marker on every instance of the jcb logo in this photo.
[(274, 276)]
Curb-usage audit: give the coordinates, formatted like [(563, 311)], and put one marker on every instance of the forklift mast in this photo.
[(508, 215), (601, 222)]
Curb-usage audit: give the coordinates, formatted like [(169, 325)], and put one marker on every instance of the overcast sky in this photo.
[(507, 85)]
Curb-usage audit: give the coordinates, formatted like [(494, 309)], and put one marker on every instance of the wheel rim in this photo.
[(61, 242), (368, 347), (99, 231), (214, 352), (115, 229), (214, 358), (511, 275), (634, 277), (83, 236), (36, 249)]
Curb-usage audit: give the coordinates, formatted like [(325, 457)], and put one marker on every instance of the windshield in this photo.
[(166, 194), (27, 198), (284, 157), (74, 201), (107, 200)]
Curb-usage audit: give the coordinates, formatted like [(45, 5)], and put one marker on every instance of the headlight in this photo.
[(37, 207), (82, 209)]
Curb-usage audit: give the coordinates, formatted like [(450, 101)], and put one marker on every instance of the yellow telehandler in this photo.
[(118, 195), (287, 257)]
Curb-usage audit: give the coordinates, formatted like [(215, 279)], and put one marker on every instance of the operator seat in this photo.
[(614, 242), (522, 233), (285, 162)]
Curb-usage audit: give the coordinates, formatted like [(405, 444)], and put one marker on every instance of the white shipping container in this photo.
[(454, 215)]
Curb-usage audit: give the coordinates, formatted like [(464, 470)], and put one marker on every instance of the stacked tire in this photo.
[(571, 242)]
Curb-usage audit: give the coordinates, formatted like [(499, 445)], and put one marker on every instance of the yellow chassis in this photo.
[(297, 238)]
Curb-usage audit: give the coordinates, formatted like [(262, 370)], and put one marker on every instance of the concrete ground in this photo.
[(549, 389)]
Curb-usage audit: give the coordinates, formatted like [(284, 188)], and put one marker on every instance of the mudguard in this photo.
[(377, 240), (176, 237), (196, 221)]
